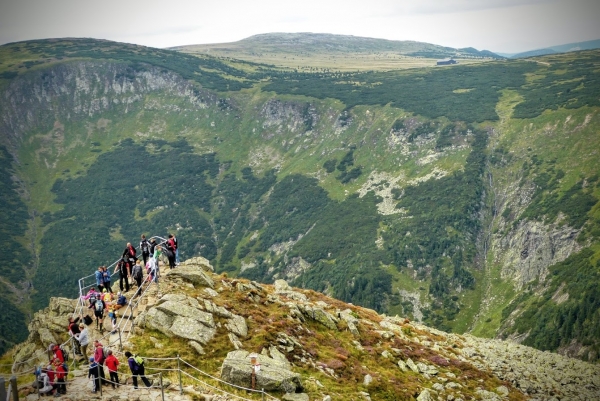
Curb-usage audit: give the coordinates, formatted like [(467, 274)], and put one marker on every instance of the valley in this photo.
[(464, 197)]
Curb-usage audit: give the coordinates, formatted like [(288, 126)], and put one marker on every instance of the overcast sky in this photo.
[(507, 26)]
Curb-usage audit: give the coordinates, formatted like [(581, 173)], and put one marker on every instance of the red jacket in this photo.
[(112, 363), (61, 373), (99, 355), (59, 354)]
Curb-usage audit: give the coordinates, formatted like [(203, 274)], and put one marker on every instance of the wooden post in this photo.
[(99, 379), (2, 389), (162, 389), (13, 388), (179, 371)]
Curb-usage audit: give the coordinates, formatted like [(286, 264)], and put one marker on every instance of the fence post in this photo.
[(179, 371), (263, 394), (162, 390), (13, 388), (99, 378), (120, 342), (2, 389)]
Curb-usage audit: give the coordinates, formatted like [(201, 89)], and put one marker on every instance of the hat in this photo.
[(91, 359), (119, 293)]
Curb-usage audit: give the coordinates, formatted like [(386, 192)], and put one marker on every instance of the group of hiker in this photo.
[(130, 265), (101, 299), (51, 379)]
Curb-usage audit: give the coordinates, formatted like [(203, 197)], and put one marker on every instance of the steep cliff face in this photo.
[(526, 252), (78, 90)]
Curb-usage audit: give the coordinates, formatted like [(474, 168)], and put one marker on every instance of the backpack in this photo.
[(145, 246), (138, 360), (65, 367), (99, 306), (64, 353), (105, 352), (87, 320)]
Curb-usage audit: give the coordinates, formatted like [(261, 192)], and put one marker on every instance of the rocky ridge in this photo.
[(204, 310)]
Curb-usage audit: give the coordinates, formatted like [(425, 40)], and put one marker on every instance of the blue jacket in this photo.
[(106, 276), (99, 278)]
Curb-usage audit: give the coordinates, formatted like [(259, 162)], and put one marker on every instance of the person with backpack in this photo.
[(124, 272), (136, 365), (73, 331), (107, 279), (145, 248), (129, 255), (94, 371), (98, 306), (99, 359), (58, 353), (44, 384), (83, 339), (170, 251), (112, 363), (138, 275), (176, 250), (99, 279), (60, 374)]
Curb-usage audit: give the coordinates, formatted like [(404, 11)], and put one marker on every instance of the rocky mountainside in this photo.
[(464, 198), (312, 347)]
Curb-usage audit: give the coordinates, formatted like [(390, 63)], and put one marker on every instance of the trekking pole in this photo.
[(162, 389), (179, 371)]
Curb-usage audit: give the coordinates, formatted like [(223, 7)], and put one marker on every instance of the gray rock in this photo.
[(180, 309), (402, 365), (197, 347), (412, 366), (189, 328), (368, 379), (198, 262), (192, 274), (272, 376), (426, 395), (237, 344), (237, 325), (295, 397)]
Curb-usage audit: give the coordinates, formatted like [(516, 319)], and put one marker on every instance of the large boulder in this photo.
[(180, 316), (272, 376), (198, 262), (192, 273)]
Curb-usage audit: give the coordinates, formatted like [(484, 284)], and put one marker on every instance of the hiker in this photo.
[(170, 252), (129, 255), (145, 248), (44, 385), (112, 316), (94, 372), (155, 266), (136, 365), (83, 339), (153, 247), (138, 274), (99, 358), (99, 279), (121, 301), (176, 250), (106, 277), (58, 353), (112, 363), (60, 374), (123, 269), (91, 292), (73, 331), (98, 306)]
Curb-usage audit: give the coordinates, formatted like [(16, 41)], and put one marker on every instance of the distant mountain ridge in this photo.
[(311, 42), (569, 47)]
